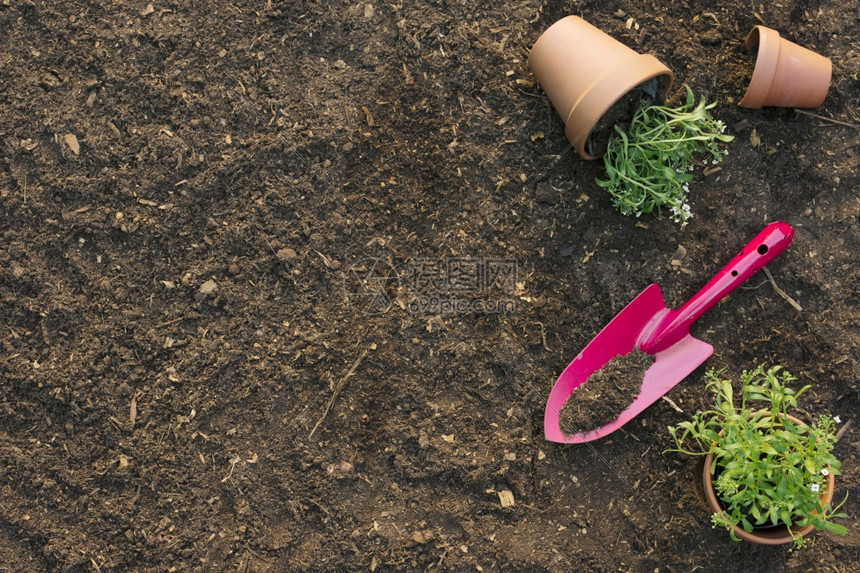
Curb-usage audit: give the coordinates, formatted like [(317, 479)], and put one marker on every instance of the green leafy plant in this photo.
[(648, 165), (769, 469)]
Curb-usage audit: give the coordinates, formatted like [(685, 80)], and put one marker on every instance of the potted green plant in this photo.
[(769, 476), (647, 166)]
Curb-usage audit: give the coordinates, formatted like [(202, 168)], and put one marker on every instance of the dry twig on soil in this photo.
[(337, 389), (781, 292)]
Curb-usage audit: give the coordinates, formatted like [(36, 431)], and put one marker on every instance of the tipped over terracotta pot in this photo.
[(785, 74), (584, 71)]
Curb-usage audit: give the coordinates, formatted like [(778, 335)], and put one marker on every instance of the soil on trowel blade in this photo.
[(605, 394)]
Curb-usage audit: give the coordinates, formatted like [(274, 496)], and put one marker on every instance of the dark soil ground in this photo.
[(284, 286)]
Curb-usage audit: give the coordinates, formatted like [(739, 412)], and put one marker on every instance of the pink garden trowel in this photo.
[(646, 323)]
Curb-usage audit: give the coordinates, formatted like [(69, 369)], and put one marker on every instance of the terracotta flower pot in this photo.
[(775, 535), (785, 74), (584, 71)]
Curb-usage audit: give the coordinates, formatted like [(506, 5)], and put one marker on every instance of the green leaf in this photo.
[(774, 516), (835, 528), (768, 449), (754, 510)]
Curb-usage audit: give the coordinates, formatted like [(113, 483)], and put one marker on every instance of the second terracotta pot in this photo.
[(584, 71), (776, 535), (785, 74)]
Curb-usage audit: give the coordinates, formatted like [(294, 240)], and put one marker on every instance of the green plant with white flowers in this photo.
[(768, 469), (648, 166)]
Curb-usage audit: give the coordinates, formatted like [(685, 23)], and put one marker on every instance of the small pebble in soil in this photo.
[(209, 287), (605, 394), (286, 254), (711, 38)]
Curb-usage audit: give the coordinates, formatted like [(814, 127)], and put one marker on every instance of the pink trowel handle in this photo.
[(765, 247)]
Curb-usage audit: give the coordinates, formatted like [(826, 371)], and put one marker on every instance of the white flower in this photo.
[(814, 487), (824, 472), (836, 419)]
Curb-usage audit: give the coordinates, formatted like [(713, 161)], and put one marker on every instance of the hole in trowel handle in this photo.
[(734, 273), (762, 249)]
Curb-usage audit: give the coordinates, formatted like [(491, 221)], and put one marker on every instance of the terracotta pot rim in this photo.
[(606, 90), (766, 61), (776, 535), (785, 74)]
